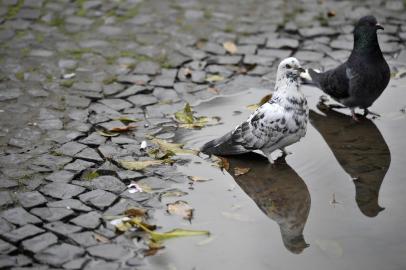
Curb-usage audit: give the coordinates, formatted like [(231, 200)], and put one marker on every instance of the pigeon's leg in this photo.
[(354, 116), (270, 159), (285, 152), (366, 112)]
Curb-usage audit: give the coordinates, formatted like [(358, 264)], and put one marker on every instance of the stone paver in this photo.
[(72, 71)]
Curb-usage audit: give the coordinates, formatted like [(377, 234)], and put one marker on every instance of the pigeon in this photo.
[(276, 124), (362, 78)]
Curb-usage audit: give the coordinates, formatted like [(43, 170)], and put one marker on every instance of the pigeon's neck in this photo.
[(288, 93), (366, 44)]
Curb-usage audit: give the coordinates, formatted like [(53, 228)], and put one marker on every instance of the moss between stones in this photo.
[(13, 10)]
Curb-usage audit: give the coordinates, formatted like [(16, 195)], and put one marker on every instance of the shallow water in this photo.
[(337, 202)]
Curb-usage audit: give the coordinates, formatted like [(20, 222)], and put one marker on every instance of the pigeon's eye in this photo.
[(288, 66)]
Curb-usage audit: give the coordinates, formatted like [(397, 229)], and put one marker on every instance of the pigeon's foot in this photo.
[(280, 160), (354, 115), (285, 152), (366, 112)]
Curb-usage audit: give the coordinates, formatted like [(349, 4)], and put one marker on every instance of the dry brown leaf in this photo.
[(198, 179), (225, 164), (180, 208), (240, 171), (153, 248), (135, 212), (214, 78), (213, 90), (100, 238), (122, 129), (230, 47)]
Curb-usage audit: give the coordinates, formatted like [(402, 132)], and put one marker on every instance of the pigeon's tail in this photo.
[(223, 146), (308, 78)]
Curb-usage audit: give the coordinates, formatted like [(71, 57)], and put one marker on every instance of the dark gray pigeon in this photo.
[(278, 123), (362, 78)]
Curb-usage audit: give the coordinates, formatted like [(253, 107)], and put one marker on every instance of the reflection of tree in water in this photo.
[(279, 192), (361, 151)]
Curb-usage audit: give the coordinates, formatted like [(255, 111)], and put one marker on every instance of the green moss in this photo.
[(20, 75), (67, 83), (77, 53), (207, 14), (39, 37), (129, 13), (57, 21), (229, 28), (134, 55), (25, 51), (81, 11), (110, 80), (55, 153), (13, 10), (90, 175)]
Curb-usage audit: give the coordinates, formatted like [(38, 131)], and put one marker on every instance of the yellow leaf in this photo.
[(214, 78), (173, 193), (157, 237), (240, 171), (186, 115), (108, 134), (141, 164), (175, 148), (127, 119), (180, 208), (230, 47), (198, 179), (263, 100)]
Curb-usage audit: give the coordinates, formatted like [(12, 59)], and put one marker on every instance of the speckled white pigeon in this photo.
[(278, 123)]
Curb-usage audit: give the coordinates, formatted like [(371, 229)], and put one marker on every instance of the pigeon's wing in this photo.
[(266, 126), (335, 82)]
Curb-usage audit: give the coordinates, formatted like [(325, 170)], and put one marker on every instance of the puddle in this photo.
[(337, 202)]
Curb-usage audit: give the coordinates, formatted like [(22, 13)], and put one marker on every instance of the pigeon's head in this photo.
[(365, 31), (289, 68)]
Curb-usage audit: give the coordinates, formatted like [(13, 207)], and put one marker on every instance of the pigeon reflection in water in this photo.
[(279, 192), (361, 151)]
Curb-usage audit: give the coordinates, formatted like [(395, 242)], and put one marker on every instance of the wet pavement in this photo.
[(73, 73)]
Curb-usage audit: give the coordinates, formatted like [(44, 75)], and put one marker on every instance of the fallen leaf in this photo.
[(108, 134), (176, 148), (122, 129), (90, 175), (141, 164), (135, 212), (186, 115), (263, 100), (173, 193), (153, 248), (157, 237), (331, 13), (230, 47), (198, 179), (100, 238), (186, 119), (240, 171), (214, 78), (127, 119), (221, 162), (180, 208), (213, 90)]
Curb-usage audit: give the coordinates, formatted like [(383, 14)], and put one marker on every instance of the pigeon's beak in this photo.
[(300, 69), (378, 26)]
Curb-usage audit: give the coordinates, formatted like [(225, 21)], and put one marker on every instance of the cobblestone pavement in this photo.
[(72, 68)]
